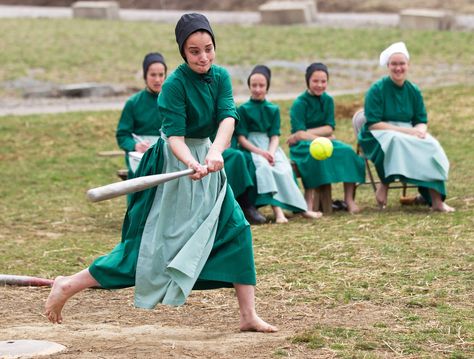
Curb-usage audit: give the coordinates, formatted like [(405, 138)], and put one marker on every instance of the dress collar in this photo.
[(207, 77)]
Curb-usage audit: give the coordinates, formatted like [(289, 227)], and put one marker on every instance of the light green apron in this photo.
[(276, 180), (179, 232), (412, 157)]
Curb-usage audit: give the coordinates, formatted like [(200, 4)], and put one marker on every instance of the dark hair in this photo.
[(151, 58), (187, 25), (261, 69), (315, 66)]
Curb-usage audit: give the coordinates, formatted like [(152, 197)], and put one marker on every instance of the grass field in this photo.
[(411, 268), (71, 51), (397, 283)]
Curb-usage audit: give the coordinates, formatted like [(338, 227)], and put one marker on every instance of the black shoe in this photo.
[(253, 216), (339, 205), (420, 200)]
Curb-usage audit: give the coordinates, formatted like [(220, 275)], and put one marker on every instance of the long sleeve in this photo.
[(297, 116), (125, 128)]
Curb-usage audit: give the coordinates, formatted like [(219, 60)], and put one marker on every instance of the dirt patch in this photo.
[(347, 77), (104, 324), (461, 6)]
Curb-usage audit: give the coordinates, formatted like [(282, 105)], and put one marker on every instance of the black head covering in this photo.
[(315, 66), (189, 24), (261, 69), (152, 58)]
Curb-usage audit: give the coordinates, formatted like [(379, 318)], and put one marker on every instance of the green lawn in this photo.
[(408, 262), (412, 268), (68, 51)]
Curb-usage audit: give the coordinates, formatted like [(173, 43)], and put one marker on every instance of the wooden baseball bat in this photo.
[(133, 185), (24, 280)]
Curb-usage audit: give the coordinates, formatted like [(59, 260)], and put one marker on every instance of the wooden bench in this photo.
[(322, 194), (122, 174)]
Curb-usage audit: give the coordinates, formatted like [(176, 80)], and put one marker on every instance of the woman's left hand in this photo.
[(292, 140), (214, 160), (418, 132)]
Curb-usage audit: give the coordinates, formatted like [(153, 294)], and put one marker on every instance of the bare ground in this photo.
[(347, 76), (104, 324)]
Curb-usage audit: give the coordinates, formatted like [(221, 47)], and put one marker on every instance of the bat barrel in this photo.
[(24, 280), (133, 185)]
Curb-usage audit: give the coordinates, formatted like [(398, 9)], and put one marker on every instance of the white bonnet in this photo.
[(396, 48)]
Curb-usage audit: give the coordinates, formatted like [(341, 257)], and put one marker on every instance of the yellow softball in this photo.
[(321, 148)]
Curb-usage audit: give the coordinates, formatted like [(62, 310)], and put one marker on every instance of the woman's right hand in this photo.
[(268, 156), (417, 131), (201, 171), (142, 146)]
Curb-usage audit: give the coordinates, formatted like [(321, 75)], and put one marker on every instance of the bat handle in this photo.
[(134, 185)]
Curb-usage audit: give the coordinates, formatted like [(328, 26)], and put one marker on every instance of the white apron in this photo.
[(412, 157), (278, 179)]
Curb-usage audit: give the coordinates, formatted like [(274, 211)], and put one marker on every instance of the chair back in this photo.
[(358, 120)]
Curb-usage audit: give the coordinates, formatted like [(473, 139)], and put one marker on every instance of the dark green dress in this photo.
[(141, 117), (309, 111), (258, 116), (259, 121), (191, 105), (385, 101), (240, 170)]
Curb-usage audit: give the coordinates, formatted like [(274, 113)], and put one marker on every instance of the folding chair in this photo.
[(358, 120)]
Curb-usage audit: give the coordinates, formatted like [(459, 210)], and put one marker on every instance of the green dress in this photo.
[(140, 116), (307, 112), (385, 101), (192, 106), (276, 186), (239, 169)]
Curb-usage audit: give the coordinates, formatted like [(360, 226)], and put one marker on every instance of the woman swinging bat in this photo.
[(189, 233)]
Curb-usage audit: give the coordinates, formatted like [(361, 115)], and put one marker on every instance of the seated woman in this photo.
[(312, 116), (395, 135), (259, 132), (140, 122)]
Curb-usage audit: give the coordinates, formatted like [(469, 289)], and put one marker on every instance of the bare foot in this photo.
[(381, 195), (56, 300), (255, 324), (444, 208), (281, 220), (279, 215), (312, 214), (352, 207)]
